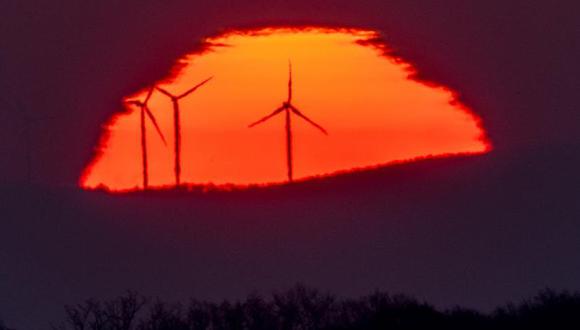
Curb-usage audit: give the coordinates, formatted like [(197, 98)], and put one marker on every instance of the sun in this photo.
[(339, 102)]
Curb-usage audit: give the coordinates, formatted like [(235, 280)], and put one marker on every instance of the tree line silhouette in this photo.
[(303, 308)]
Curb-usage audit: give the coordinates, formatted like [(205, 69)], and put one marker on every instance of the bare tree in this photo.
[(303, 308), (121, 312), (164, 317), (116, 314), (198, 315), (259, 313)]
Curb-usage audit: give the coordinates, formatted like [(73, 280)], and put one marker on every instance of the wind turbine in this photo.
[(145, 111), (177, 125), (289, 109)]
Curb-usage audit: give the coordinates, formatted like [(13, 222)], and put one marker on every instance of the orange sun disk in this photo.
[(373, 109)]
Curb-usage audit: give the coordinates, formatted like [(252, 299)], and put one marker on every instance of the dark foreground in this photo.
[(305, 308)]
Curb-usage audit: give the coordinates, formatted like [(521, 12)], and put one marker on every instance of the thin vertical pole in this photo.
[(144, 150), (177, 129), (289, 144)]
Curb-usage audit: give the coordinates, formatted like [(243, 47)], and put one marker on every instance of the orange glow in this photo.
[(375, 113)]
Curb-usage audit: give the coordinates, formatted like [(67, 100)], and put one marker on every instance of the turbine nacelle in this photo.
[(289, 109), (175, 98), (177, 125), (145, 109)]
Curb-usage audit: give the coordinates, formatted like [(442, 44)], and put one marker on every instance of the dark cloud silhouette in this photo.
[(471, 230), (512, 62)]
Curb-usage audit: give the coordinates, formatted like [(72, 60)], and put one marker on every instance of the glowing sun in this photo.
[(342, 82)]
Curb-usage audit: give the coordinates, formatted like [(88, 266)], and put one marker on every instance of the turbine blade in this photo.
[(154, 121), (289, 81), (194, 88), (164, 91), (275, 112), (300, 114), (149, 95)]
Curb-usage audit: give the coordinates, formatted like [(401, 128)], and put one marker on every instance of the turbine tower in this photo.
[(177, 125), (145, 111), (289, 109)]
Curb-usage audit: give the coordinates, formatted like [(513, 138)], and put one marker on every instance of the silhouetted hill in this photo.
[(474, 231)]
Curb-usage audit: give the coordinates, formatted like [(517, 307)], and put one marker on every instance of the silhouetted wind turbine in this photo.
[(177, 125), (288, 108), (145, 111)]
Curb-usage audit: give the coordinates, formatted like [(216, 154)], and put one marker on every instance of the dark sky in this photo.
[(474, 231)]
